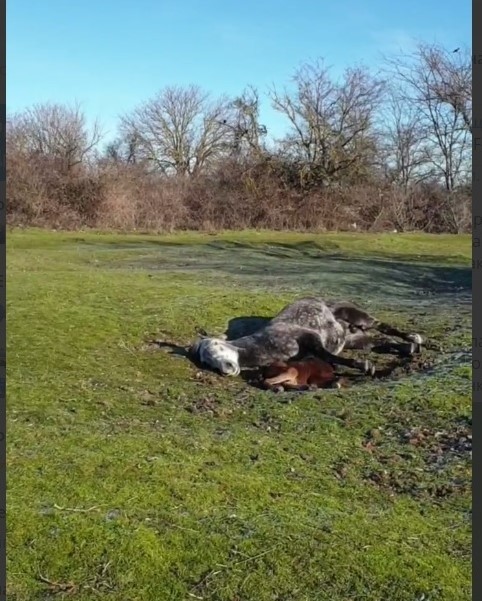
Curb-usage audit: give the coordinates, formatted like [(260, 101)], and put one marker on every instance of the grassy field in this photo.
[(133, 477)]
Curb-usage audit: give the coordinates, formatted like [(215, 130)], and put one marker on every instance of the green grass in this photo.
[(132, 478)]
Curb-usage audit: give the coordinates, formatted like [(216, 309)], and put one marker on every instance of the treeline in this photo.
[(368, 151)]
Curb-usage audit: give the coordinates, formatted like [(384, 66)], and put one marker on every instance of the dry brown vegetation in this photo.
[(365, 152)]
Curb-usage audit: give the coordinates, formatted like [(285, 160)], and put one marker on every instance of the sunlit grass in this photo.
[(119, 487)]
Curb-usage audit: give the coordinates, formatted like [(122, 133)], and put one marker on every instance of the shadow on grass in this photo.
[(171, 347), (245, 326)]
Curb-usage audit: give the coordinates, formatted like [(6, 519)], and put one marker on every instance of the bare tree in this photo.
[(180, 130), (247, 131), (331, 122), (454, 80), (55, 132), (124, 150), (436, 84), (402, 143)]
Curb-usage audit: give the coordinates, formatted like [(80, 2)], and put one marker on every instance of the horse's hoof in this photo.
[(369, 368), (415, 338), (415, 348)]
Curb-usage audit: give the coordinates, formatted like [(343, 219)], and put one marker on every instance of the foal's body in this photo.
[(299, 375)]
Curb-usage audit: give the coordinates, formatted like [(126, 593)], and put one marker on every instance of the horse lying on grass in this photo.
[(308, 327)]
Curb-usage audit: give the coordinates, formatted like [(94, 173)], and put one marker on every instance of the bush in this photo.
[(236, 195)]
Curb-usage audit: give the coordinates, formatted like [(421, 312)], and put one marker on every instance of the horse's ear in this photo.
[(193, 348), (201, 332)]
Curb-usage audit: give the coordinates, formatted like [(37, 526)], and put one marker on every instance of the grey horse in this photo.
[(308, 326)]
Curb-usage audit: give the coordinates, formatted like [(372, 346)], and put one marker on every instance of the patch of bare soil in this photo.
[(421, 461), (441, 446), (208, 406)]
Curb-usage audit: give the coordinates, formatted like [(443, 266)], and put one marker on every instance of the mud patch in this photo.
[(422, 461), (440, 447), (209, 407), (427, 364)]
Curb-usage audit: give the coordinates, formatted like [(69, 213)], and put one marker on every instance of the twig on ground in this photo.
[(65, 587), (77, 509)]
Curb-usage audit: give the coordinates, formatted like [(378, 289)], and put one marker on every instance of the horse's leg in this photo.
[(363, 321), (312, 344), (389, 330), (360, 340), (398, 348)]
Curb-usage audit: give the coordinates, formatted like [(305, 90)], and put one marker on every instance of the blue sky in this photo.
[(113, 54)]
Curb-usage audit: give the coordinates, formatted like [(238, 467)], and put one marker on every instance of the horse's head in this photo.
[(216, 354)]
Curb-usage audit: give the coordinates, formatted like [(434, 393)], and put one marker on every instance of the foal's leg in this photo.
[(286, 377), (286, 380)]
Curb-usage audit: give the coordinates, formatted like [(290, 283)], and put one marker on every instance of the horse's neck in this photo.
[(242, 343), (245, 347)]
